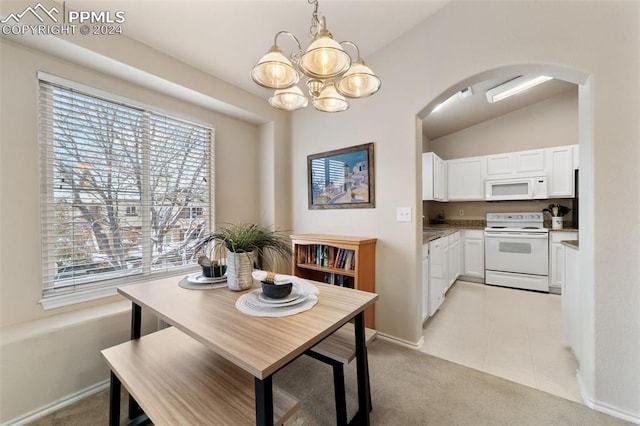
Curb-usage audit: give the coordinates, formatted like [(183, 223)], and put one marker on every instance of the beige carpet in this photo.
[(408, 388)]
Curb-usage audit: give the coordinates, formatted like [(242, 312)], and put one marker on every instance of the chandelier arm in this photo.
[(355, 46), (275, 39)]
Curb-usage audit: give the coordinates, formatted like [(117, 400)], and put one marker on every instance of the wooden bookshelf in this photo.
[(339, 260)]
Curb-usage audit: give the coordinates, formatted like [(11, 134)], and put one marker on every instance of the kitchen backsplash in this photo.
[(475, 211)]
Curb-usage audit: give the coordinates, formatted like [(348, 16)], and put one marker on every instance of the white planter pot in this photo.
[(239, 268)]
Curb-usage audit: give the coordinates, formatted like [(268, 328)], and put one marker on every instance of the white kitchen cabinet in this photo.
[(560, 172), (433, 177), (425, 281), (529, 163), (499, 166), (437, 275), (453, 264), (556, 259), (473, 253), (570, 300), (465, 179), (511, 165)]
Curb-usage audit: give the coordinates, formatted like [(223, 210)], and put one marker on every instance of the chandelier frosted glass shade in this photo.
[(275, 71), (330, 100), (324, 58), (358, 82), (288, 99)]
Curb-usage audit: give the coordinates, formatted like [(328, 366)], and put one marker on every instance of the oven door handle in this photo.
[(518, 235)]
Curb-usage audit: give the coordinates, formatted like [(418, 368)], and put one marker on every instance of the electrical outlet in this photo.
[(403, 214), (461, 212)]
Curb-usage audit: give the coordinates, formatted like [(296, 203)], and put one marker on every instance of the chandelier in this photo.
[(332, 74)]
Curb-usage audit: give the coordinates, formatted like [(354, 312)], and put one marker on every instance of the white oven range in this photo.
[(517, 251)]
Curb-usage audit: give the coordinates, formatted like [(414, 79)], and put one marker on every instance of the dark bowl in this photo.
[(214, 271), (276, 291)]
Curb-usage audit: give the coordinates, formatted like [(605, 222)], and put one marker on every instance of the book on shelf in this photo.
[(338, 279), (326, 256)]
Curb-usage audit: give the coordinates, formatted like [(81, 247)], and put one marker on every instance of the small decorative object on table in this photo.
[(557, 212), (240, 242), (275, 290)]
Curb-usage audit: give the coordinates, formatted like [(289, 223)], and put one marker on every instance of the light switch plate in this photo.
[(403, 214)]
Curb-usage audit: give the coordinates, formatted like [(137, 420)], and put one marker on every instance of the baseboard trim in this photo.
[(401, 342), (55, 406), (602, 407)]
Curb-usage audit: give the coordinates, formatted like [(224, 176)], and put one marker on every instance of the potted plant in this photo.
[(557, 212), (241, 241)]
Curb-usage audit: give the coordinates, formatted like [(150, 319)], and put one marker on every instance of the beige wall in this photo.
[(595, 44), (47, 356), (551, 122)]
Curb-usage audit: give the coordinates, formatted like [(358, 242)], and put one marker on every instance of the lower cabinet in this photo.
[(453, 258), (425, 282), (437, 274), (473, 254), (556, 259)]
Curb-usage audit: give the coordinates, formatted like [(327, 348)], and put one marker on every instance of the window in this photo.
[(119, 183)]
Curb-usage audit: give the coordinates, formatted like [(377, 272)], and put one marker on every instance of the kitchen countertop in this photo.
[(435, 231), (574, 244)]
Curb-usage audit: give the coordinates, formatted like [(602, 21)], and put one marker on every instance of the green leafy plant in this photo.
[(246, 238), (557, 210)]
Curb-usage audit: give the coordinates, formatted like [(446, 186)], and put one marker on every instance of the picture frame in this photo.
[(342, 178)]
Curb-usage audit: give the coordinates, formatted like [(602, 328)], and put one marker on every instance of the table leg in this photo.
[(362, 370), (136, 321), (114, 401), (136, 326), (264, 401)]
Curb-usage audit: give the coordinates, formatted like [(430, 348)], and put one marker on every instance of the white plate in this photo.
[(198, 278), (255, 300)]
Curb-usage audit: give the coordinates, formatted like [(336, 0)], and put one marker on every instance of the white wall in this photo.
[(593, 43), (47, 356)]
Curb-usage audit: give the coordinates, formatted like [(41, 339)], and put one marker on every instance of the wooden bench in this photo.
[(178, 381), (339, 350)]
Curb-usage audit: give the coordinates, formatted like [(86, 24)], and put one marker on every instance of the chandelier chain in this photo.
[(313, 30)]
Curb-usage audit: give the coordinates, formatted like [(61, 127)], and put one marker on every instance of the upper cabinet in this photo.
[(560, 172), (463, 179), (434, 177), (516, 164)]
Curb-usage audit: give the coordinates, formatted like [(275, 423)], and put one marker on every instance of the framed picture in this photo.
[(342, 179)]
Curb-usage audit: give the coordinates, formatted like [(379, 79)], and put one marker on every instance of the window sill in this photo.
[(86, 295)]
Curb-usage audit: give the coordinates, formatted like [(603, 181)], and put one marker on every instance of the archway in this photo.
[(582, 80)]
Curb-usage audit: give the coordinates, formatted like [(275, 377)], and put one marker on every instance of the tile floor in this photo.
[(513, 334)]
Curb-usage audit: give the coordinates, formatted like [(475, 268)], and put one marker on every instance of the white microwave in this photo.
[(534, 188)]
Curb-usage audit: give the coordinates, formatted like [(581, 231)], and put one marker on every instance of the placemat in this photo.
[(250, 303)]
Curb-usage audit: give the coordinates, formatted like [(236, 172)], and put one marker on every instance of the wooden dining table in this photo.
[(260, 346)]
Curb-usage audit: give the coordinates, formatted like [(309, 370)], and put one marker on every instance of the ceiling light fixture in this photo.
[(332, 73), (515, 86)]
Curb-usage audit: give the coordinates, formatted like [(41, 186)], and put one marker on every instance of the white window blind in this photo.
[(125, 191)]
